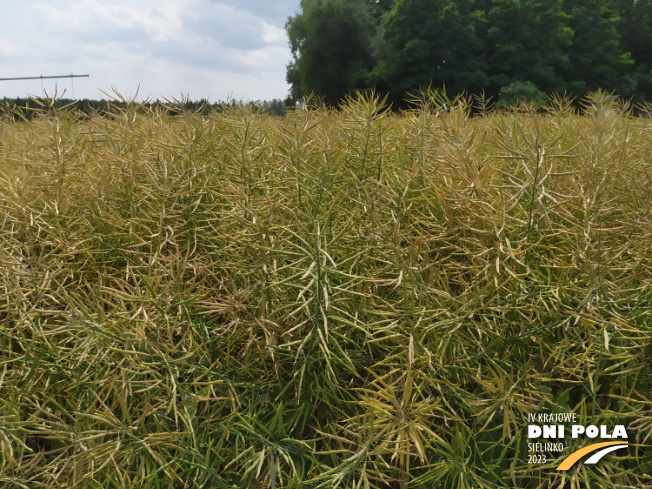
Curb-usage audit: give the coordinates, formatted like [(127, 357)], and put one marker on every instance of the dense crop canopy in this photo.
[(333, 299)]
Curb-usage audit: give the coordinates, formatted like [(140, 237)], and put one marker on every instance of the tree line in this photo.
[(25, 108), (473, 46)]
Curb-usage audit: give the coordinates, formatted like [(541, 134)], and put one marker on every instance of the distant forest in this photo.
[(473, 46), (25, 108)]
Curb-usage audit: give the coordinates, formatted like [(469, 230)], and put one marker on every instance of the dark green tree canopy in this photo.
[(401, 46), (596, 58), (331, 47), (634, 24), (529, 41), (434, 42)]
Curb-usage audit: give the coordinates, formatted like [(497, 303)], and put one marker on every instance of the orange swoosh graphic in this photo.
[(574, 457)]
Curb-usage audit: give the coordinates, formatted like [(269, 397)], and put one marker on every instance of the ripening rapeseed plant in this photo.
[(351, 298)]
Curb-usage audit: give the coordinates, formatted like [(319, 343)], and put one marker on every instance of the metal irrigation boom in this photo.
[(43, 77), (71, 76)]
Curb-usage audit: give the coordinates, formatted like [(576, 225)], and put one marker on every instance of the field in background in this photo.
[(350, 299)]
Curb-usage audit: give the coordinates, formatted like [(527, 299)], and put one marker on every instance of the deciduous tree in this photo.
[(596, 58), (436, 42), (529, 41), (331, 47)]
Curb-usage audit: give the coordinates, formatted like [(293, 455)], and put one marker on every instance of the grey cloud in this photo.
[(229, 29), (108, 33), (273, 11), (210, 58)]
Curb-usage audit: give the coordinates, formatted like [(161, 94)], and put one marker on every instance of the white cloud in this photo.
[(11, 49)]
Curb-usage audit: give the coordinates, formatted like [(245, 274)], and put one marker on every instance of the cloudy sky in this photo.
[(215, 49)]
